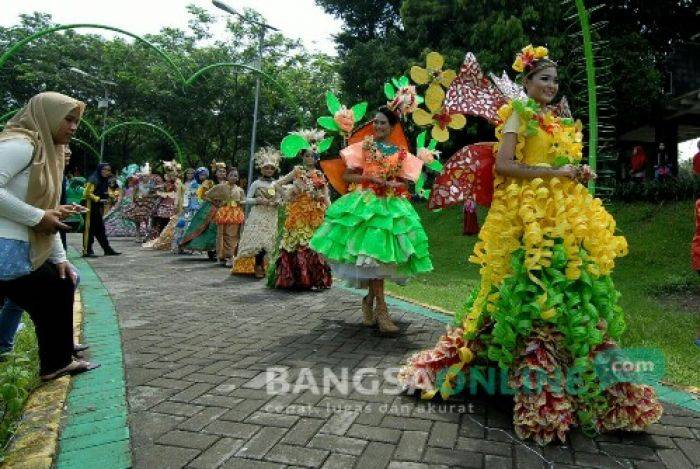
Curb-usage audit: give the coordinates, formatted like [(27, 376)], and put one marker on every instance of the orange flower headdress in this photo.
[(529, 57)]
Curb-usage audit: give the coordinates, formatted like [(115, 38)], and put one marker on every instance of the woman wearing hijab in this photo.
[(31, 170), (96, 196)]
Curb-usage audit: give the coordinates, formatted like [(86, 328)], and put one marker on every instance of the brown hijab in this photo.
[(37, 122)]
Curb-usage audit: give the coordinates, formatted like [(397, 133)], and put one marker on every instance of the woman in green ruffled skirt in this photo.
[(373, 233)]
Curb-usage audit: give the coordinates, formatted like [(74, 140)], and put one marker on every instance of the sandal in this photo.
[(80, 347), (74, 368)]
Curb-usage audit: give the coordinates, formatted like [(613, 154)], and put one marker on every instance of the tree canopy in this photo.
[(211, 119), (382, 38)]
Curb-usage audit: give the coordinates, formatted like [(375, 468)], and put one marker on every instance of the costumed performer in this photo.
[(259, 236), (307, 198), (143, 201), (228, 199), (200, 234), (116, 223), (546, 303), (189, 191), (114, 194), (167, 205), (373, 233)]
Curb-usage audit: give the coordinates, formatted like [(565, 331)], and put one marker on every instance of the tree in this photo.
[(639, 34), (211, 119)]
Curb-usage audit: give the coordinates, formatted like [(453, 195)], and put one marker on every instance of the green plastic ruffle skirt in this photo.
[(361, 229), (206, 240)]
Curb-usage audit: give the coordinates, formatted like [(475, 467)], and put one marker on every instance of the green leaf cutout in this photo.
[(389, 91), (560, 161), (332, 103), (420, 140), (325, 144), (420, 183), (292, 144), (327, 123), (359, 110), (435, 165)]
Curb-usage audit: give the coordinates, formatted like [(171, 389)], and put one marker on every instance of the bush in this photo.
[(18, 377), (682, 187)]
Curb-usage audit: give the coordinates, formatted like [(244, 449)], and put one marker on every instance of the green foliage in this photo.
[(18, 376), (682, 187), (384, 38), (211, 119)]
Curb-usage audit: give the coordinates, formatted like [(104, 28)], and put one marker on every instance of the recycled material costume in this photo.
[(307, 198), (74, 195), (373, 232), (228, 198), (546, 303), (200, 234), (117, 225), (167, 208), (259, 237), (166, 200), (190, 205), (144, 200)]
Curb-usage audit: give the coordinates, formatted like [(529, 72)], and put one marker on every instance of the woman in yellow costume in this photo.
[(546, 303)]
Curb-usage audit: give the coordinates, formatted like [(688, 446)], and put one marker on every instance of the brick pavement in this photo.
[(196, 346)]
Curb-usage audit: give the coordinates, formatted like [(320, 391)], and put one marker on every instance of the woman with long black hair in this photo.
[(96, 197)]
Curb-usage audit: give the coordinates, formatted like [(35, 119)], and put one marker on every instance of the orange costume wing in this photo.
[(335, 167)]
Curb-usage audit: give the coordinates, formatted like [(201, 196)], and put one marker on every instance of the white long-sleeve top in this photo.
[(262, 186), (16, 215)]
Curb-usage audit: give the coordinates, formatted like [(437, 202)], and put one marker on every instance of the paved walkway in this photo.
[(197, 343)]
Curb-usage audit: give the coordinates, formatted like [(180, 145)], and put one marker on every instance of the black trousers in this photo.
[(48, 299), (97, 229)]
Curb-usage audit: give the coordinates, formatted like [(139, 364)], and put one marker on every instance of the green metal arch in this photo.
[(265, 76), (90, 127), (591, 84), (19, 44), (185, 82), (89, 147), (158, 129), (5, 117)]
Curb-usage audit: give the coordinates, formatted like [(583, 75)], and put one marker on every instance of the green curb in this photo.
[(666, 394), (96, 432)]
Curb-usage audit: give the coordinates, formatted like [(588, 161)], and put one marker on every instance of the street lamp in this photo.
[(261, 38), (103, 103)]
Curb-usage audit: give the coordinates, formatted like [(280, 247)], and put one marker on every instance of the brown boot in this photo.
[(369, 319), (386, 326)]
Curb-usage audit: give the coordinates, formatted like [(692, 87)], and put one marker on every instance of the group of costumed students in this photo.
[(546, 251), (196, 213)]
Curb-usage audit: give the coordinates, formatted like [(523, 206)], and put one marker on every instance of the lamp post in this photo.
[(261, 37), (103, 103)]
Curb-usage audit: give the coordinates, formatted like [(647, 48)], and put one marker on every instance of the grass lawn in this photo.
[(19, 375), (660, 294)]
